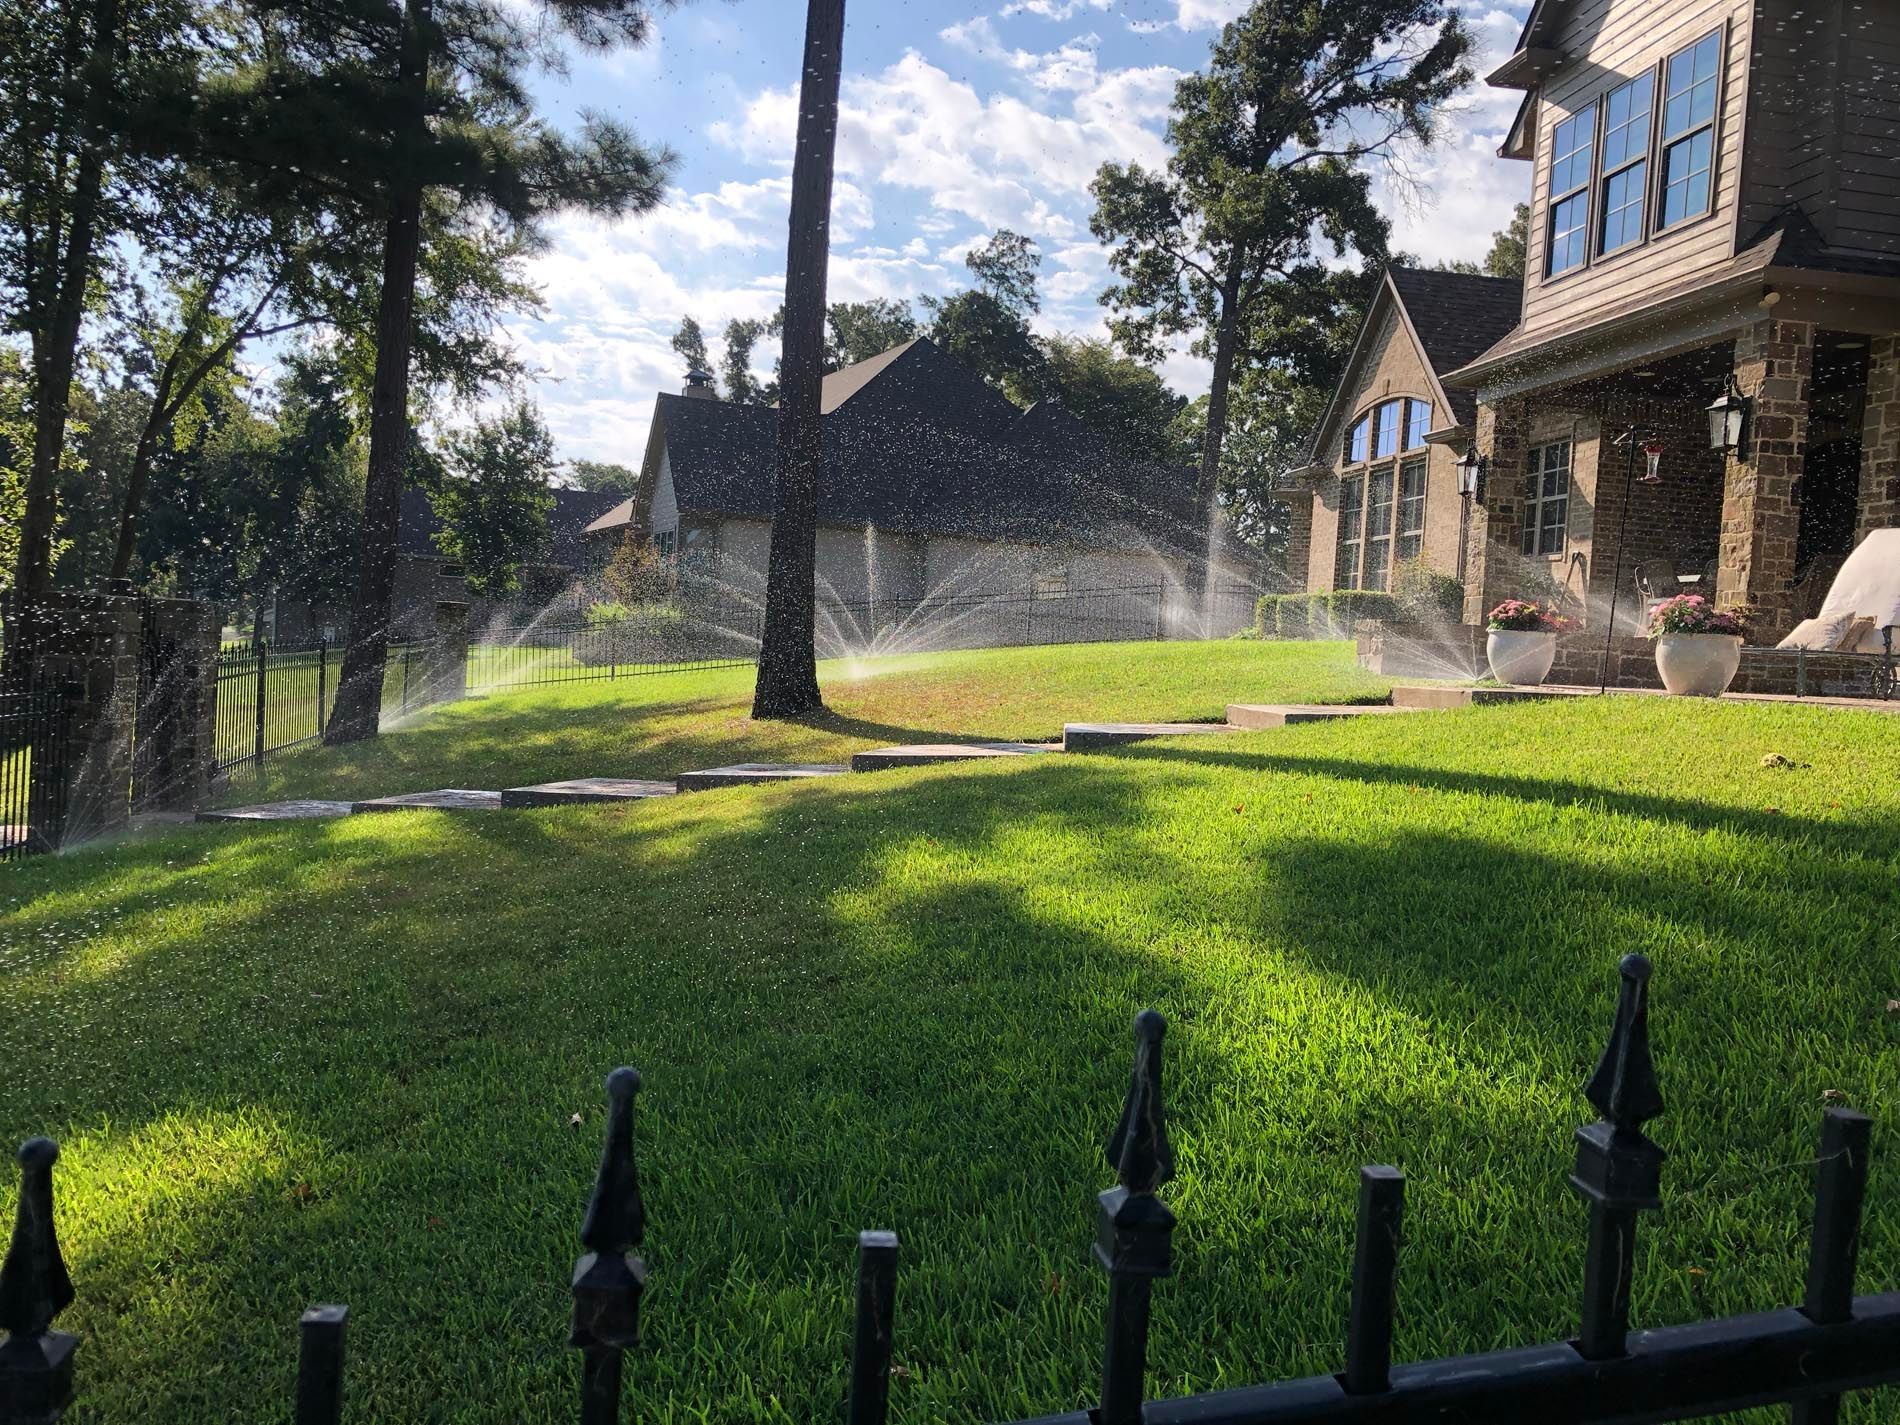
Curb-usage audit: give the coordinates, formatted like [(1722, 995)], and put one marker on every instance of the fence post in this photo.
[(262, 651), (871, 1339), (320, 1365), (1840, 1187), (36, 1362), (1161, 612), (1375, 1269), (1134, 1228), (1618, 1170), (323, 678), (609, 1279)]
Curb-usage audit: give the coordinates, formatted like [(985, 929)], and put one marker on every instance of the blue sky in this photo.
[(958, 117)]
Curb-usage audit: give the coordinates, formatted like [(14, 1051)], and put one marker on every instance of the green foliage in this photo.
[(858, 331), (1120, 399), (1506, 257), (603, 477), (690, 342), (742, 387), (1347, 608), (1283, 616), (1005, 267), (986, 327), (1425, 595), (636, 574), (495, 498)]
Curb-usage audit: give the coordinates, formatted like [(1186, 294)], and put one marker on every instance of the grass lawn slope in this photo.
[(665, 724), (338, 1061)]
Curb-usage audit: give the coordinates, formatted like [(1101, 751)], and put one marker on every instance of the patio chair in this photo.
[(1656, 581)]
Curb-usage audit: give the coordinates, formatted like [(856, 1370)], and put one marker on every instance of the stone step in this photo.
[(1438, 698), (444, 799), (924, 754), (1088, 736), (303, 809), (583, 790), (748, 774), (1255, 716)]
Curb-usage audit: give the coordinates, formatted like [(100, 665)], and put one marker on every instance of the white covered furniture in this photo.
[(1868, 586)]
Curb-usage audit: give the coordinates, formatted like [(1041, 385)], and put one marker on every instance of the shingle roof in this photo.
[(573, 511), (923, 446)]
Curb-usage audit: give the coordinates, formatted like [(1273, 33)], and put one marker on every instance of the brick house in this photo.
[(1714, 218)]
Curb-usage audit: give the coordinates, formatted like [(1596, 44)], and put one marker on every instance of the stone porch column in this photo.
[(1774, 366), (446, 673), (1880, 440), (1299, 539), (1492, 541), (90, 644)]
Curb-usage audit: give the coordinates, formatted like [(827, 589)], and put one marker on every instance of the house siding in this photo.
[(1607, 44), (665, 513)]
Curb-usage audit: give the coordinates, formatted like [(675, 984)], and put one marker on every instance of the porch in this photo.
[(1607, 489)]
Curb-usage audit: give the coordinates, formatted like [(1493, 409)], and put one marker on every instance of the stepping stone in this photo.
[(584, 789), (1254, 716), (924, 754), (746, 774), (447, 799), (1439, 698), (1087, 736), (303, 809)]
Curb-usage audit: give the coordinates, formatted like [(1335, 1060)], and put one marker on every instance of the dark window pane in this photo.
[(1566, 233), (1626, 123), (1686, 174), (1385, 432), (1623, 197), (1356, 445), (1418, 420), (1571, 143)]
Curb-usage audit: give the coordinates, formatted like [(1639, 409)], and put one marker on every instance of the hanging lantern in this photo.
[(1471, 475), (1652, 455), (1728, 421)]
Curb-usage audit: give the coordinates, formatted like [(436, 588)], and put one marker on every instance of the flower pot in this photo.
[(1698, 665), (1518, 658)]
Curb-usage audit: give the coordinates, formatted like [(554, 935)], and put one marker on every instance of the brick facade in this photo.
[(1774, 367), (1880, 440), (1299, 537)]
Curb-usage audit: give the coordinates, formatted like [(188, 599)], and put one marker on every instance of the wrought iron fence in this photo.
[(272, 699), (699, 635), (1809, 1356), (35, 744)]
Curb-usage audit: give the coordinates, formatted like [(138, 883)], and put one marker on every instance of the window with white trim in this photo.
[(1378, 529), (1690, 82), (1572, 157), (1411, 524), (1625, 164), (1547, 498), (1352, 509)]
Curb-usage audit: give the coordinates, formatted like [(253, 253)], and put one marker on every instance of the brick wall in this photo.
[(1774, 367)]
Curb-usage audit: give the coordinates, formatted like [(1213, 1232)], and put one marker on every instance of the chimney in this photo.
[(699, 386)]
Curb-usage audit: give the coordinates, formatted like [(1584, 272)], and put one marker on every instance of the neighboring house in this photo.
[(1715, 220), (932, 486), (551, 575), (1380, 486)]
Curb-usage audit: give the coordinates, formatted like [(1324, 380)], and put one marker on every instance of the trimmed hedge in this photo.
[(1322, 615)]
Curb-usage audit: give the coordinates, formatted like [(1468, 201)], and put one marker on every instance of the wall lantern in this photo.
[(1728, 422), (1471, 466)]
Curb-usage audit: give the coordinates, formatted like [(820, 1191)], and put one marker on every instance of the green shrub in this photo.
[(1349, 607), (1425, 595), (1318, 624), (1290, 615), (1264, 615)]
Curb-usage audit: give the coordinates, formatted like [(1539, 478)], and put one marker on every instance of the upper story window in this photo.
[(1688, 129), (1386, 428), (1625, 163), (1418, 420), (1358, 441), (1572, 155)]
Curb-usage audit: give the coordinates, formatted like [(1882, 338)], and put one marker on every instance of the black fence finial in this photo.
[(1138, 1150), (1134, 1228), (1624, 1089), (609, 1279), (36, 1362), (1618, 1169)]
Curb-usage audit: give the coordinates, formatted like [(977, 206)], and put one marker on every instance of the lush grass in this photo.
[(337, 1061), (660, 725)]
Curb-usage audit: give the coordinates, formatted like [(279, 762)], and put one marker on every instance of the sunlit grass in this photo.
[(338, 1061)]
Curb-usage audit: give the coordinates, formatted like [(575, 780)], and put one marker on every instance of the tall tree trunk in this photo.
[(1207, 488), (788, 661), (56, 343), (357, 713)]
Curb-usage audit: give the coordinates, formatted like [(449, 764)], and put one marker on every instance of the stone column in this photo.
[(1774, 366), (175, 753), (445, 680), (1492, 540), (1299, 538), (1880, 440), (90, 645)]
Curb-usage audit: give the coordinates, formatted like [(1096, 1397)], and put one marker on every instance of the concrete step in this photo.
[(444, 799), (1088, 736), (924, 754), (1430, 697), (307, 809), (584, 790), (1255, 716), (748, 774)]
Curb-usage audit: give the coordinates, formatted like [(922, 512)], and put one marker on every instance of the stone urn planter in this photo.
[(1698, 665), (1521, 659)]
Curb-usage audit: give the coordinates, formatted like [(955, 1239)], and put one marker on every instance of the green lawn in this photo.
[(338, 1061), (659, 725)]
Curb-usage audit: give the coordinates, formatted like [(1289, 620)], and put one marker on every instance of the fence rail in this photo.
[(272, 699), (701, 635), (35, 743), (1810, 1356)]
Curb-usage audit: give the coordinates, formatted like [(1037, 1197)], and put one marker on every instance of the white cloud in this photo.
[(1196, 14), (1054, 9)]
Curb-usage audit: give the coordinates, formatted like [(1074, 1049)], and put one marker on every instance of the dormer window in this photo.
[(1625, 164), (1688, 129), (1572, 155)]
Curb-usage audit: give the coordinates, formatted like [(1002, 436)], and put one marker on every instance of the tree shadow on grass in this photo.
[(902, 1003)]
